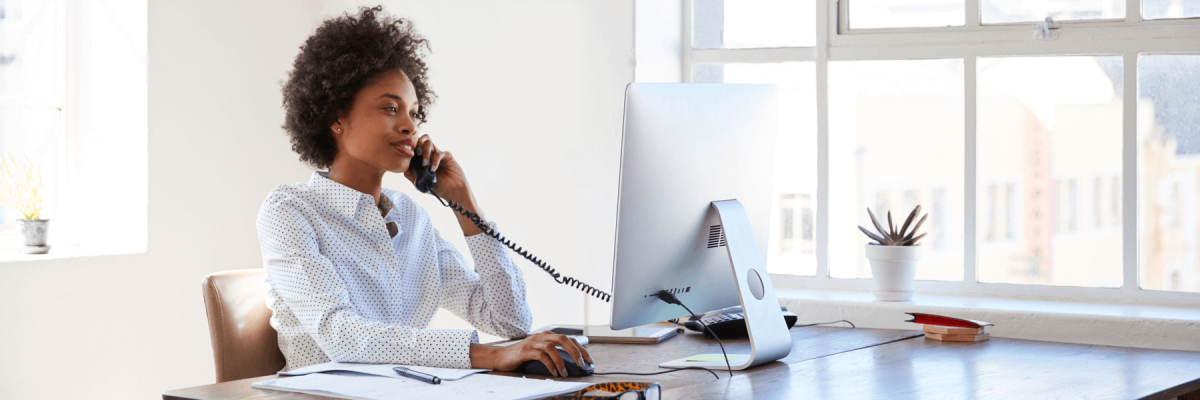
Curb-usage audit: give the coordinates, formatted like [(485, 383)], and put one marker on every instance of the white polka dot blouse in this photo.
[(353, 281)]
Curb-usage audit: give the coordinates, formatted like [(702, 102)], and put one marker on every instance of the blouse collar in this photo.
[(341, 197)]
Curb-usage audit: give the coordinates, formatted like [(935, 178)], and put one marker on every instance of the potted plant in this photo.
[(21, 188), (894, 256)]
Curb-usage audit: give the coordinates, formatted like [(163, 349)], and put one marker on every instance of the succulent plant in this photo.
[(892, 237)]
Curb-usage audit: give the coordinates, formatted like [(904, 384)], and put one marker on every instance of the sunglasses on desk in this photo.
[(615, 390)]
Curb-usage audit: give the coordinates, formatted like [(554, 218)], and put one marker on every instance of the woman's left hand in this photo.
[(451, 181)]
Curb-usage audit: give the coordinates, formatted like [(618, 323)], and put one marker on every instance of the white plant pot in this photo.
[(893, 268), (33, 235)]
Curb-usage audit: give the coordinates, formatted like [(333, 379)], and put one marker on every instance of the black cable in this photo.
[(671, 299), (657, 373), (826, 323), (479, 222)]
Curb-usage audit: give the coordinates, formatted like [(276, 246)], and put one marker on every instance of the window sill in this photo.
[(1128, 325), (57, 253)]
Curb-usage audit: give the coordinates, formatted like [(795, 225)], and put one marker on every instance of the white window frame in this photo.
[(1128, 37)]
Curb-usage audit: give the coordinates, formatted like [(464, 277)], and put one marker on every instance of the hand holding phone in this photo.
[(426, 179)]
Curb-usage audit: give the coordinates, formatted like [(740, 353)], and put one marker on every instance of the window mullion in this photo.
[(686, 39), (840, 17), (973, 15), (1129, 166), (970, 258), (822, 228), (825, 18), (1133, 11), (69, 150)]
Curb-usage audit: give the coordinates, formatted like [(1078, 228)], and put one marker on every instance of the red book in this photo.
[(931, 319)]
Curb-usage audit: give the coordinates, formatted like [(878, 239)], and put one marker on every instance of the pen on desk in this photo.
[(420, 376)]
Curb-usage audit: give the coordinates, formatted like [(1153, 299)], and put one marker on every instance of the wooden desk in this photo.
[(875, 364), (995, 369), (807, 343)]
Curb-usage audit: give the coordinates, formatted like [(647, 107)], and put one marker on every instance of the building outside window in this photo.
[(796, 236)]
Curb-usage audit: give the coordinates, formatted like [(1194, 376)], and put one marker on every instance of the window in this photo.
[(888, 140), (1054, 117), (73, 98), (905, 13), (753, 24), (1005, 11), (1170, 9), (1058, 157), (1169, 171)]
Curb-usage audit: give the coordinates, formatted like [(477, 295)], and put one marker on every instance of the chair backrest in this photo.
[(239, 324)]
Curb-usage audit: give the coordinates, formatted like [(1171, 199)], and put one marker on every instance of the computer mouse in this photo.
[(573, 369)]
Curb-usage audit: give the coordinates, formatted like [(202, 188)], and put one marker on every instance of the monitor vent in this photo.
[(716, 238)]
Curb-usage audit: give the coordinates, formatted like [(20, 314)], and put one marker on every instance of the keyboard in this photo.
[(730, 322)]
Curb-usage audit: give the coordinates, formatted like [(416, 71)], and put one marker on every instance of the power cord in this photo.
[(676, 322), (669, 298), (658, 373), (827, 323)]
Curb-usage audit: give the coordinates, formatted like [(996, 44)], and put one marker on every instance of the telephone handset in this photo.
[(427, 179)]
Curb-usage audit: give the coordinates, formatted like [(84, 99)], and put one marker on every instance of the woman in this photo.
[(354, 271)]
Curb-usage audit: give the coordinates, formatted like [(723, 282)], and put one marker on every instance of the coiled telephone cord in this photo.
[(479, 222)]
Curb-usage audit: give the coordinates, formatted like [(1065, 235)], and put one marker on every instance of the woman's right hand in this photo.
[(539, 346)]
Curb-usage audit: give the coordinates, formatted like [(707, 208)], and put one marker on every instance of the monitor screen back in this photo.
[(685, 145)]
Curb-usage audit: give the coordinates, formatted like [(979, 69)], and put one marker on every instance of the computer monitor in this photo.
[(694, 207)]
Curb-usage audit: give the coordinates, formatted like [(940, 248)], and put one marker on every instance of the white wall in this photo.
[(531, 96), (530, 101)]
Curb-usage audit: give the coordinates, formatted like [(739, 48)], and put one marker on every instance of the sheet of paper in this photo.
[(364, 387), (385, 370)]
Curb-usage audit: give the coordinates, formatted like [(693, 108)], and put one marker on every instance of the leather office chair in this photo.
[(243, 341)]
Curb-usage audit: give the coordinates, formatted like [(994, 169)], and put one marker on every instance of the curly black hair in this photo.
[(337, 61)]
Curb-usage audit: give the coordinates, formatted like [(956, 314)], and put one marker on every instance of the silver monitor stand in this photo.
[(769, 337)]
